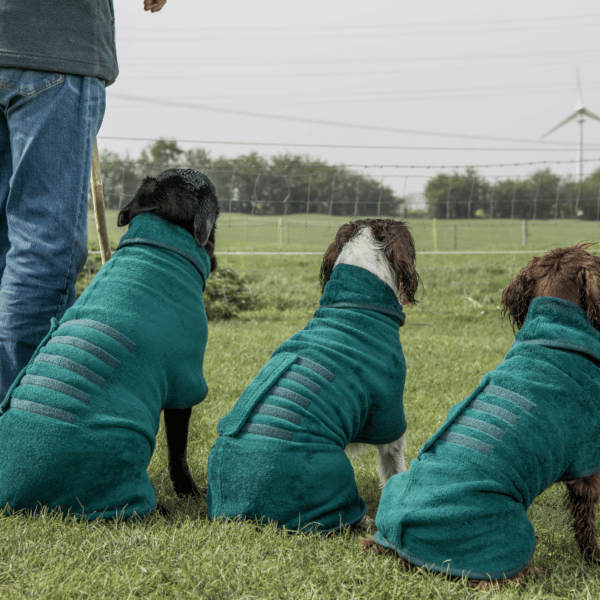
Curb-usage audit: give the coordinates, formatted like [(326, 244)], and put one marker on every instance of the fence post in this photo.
[(524, 240), (492, 199), (289, 193), (470, 199), (535, 200), (232, 191), (279, 234), (332, 192), (512, 204), (254, 201)]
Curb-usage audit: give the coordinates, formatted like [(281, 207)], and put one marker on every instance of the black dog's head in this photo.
[(183, 197)]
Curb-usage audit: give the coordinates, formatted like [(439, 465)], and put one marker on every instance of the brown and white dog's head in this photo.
[(571, 273), (183, 197), (384, 247)]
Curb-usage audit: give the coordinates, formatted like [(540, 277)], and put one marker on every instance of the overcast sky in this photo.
[(399, 90)]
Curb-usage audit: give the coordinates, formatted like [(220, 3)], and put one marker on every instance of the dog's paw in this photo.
[(368, 544), (592, 556), (519, 580), (189, 490)]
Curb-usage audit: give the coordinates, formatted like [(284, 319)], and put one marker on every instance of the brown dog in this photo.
[(572, 274), (533, 421)]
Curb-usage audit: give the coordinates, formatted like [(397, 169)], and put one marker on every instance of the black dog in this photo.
[(188, 199), (78, 426)]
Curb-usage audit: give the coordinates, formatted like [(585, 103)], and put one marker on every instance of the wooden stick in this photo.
[(98, 201)]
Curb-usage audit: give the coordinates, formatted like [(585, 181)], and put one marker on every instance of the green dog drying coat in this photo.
[(280, 452), (533, 421), (78, 425)]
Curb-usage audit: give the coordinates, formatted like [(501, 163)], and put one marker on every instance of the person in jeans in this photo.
[(55, 60)]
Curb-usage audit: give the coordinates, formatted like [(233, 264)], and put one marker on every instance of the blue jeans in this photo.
[(48, 124)]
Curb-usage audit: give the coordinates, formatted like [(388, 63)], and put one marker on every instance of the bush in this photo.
[(226, 294), (91, 267)]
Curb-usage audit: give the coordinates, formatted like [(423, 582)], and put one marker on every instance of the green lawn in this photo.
[(450, 340), (313, 233)]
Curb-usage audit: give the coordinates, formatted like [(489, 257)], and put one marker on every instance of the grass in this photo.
[(313, 233), (450, 340)]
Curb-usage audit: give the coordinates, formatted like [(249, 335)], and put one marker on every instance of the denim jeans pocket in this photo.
[(28, 83)]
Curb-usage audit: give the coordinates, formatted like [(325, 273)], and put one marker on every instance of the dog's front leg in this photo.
[(584, 495), (391, 460), (177, 423)]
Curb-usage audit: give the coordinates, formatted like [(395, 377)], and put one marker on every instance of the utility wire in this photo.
[(244, 113), (343, 146)]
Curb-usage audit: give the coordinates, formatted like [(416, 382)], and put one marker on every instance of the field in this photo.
[(451, 339)]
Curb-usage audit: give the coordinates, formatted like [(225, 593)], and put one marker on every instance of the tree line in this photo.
[(292, 184), (283, 184), (543, 195)]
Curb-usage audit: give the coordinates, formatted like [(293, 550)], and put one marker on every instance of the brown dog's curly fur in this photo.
[(570, 273), (397, 245)]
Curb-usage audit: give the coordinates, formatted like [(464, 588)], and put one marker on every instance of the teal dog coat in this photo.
[(280, 452), (533, 421), (78, 426)]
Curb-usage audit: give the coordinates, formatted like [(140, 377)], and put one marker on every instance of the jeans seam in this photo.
[(46, 86), (90, 119)]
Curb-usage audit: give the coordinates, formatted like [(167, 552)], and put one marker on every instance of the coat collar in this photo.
[(556, 323), (150, 230), (356, 288)]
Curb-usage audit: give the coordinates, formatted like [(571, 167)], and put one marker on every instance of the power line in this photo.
[(302, 61), (392, 95), (561, 20), (341, 146), (474, 166), (367, 31), (245, 113)]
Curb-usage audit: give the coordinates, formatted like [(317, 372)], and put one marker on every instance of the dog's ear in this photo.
[(143, 202), (519, 293), (588, 284), (204, 231), (400, 252), (345, 234), (204, 221)]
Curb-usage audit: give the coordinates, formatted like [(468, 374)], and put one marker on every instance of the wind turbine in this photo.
[(580, 113)]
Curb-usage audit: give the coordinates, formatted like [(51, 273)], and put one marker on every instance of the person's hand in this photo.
[(154, 5)]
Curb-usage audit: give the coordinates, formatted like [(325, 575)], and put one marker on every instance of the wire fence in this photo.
[(273, 241)]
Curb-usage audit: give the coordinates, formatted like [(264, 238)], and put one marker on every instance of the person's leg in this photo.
[(5, 174), (52, 120)]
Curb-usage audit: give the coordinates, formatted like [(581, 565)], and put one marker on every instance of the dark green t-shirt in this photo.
[(69, 36)]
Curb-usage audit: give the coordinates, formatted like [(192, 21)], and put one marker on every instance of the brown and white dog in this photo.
[(280, 453), (385, 248), (533, 421)]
